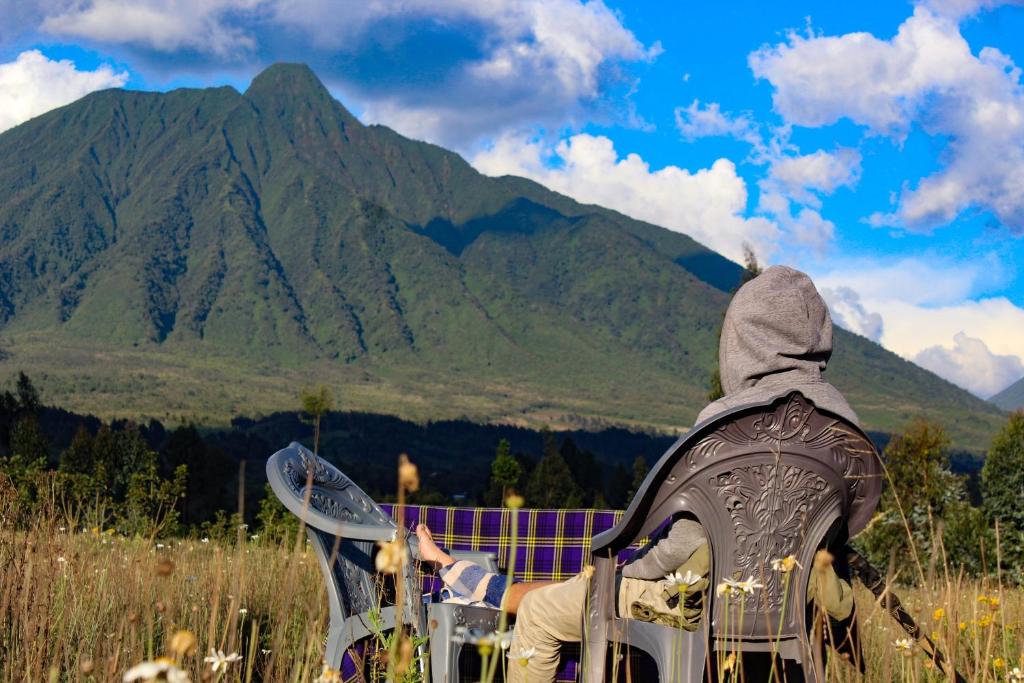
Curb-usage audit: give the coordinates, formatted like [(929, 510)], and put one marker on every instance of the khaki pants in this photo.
[(547, 617)]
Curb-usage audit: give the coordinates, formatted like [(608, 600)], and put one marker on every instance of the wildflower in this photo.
[(684, 581), (62, 560), (999, 662), (523, 657), (962, 626), (204, 540), (938, 614), (985, 621), (993, 603), (243, 611), (504, 639), (254, 537), (390, 557), (485, 645), (904, 645), (183, 643), (159, 545), (515, 501), (749, 585), (218, 661), (264, 652), (408, 475), (1015, 674), (328, 675), (785, 564), (727, 587), (162, 669)]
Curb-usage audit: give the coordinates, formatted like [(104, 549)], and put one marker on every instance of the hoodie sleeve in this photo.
[(667, 553)]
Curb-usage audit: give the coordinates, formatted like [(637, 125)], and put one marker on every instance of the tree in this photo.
[(27, 441), (1002, 488), (640, 470), (505, 474), (316, 402), (924, 504), (551, 484), (751, 269)]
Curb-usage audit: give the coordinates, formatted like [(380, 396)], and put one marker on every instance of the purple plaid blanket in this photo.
[(552, 545)]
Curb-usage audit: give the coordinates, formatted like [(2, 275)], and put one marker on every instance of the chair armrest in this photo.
[(486, 559)]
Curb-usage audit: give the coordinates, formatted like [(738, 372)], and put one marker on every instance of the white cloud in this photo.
[(926, 76), (708, 204), (507, 64), (970, 364), (164, 25), (912, 303), (696, 122), (800, 176), (849, 313), (32, 85)]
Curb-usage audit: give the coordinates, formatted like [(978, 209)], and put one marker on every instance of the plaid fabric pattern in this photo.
[(552, 545)]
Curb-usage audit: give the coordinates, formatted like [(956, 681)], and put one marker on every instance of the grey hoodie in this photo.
[(776, 338)]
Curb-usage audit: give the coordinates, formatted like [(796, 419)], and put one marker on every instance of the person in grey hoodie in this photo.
[(776, 338)]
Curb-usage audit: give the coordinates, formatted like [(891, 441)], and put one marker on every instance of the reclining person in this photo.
[(776, 338)]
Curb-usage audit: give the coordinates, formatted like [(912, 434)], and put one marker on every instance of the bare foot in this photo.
[(429, 550)]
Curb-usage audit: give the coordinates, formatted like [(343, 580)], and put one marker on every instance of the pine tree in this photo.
[(505, 474), (78, 458), (552, 484), (640, 470), (1002, 487)]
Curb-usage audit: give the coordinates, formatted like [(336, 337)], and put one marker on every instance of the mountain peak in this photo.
[(289, 82)]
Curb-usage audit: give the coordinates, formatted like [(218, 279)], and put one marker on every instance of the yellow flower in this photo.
[(962, 626), (938, 614), (408, 475), (183, 643), (785, 564), (389, 557), (328, 675), (515, 501), (523, 657), (993, 603), (485, 646), (985, 621), (998, 663)]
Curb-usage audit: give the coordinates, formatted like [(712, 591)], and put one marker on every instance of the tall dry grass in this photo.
[(86, 605)]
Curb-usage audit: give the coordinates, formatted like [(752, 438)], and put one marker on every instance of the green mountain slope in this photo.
[(206, 252), (1012, 397)]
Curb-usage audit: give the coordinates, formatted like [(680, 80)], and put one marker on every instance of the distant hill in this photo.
[(206, 252), (1012, 397)]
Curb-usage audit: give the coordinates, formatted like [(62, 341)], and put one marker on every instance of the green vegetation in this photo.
[(201, 253)]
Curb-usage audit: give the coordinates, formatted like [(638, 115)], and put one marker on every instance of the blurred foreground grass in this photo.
[(86, 605)]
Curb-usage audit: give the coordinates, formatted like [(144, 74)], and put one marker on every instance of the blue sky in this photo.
[(878, 146)]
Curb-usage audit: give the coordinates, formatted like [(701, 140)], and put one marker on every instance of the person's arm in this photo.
[(667, 553)]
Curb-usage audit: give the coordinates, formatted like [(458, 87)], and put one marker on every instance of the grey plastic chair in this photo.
[(766, 481), (340, 513)]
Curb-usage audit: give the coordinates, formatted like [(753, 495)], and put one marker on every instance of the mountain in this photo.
[(1012, 397), (205, 252)]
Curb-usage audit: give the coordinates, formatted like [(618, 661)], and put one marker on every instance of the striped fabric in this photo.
[(552, 544)]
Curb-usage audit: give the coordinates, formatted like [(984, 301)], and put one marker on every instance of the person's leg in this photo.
[(548, 615)]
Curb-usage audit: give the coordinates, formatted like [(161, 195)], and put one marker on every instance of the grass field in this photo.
[(86, 605)]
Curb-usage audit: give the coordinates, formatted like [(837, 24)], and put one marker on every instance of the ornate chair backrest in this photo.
[(766, 482), (343, 525)]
